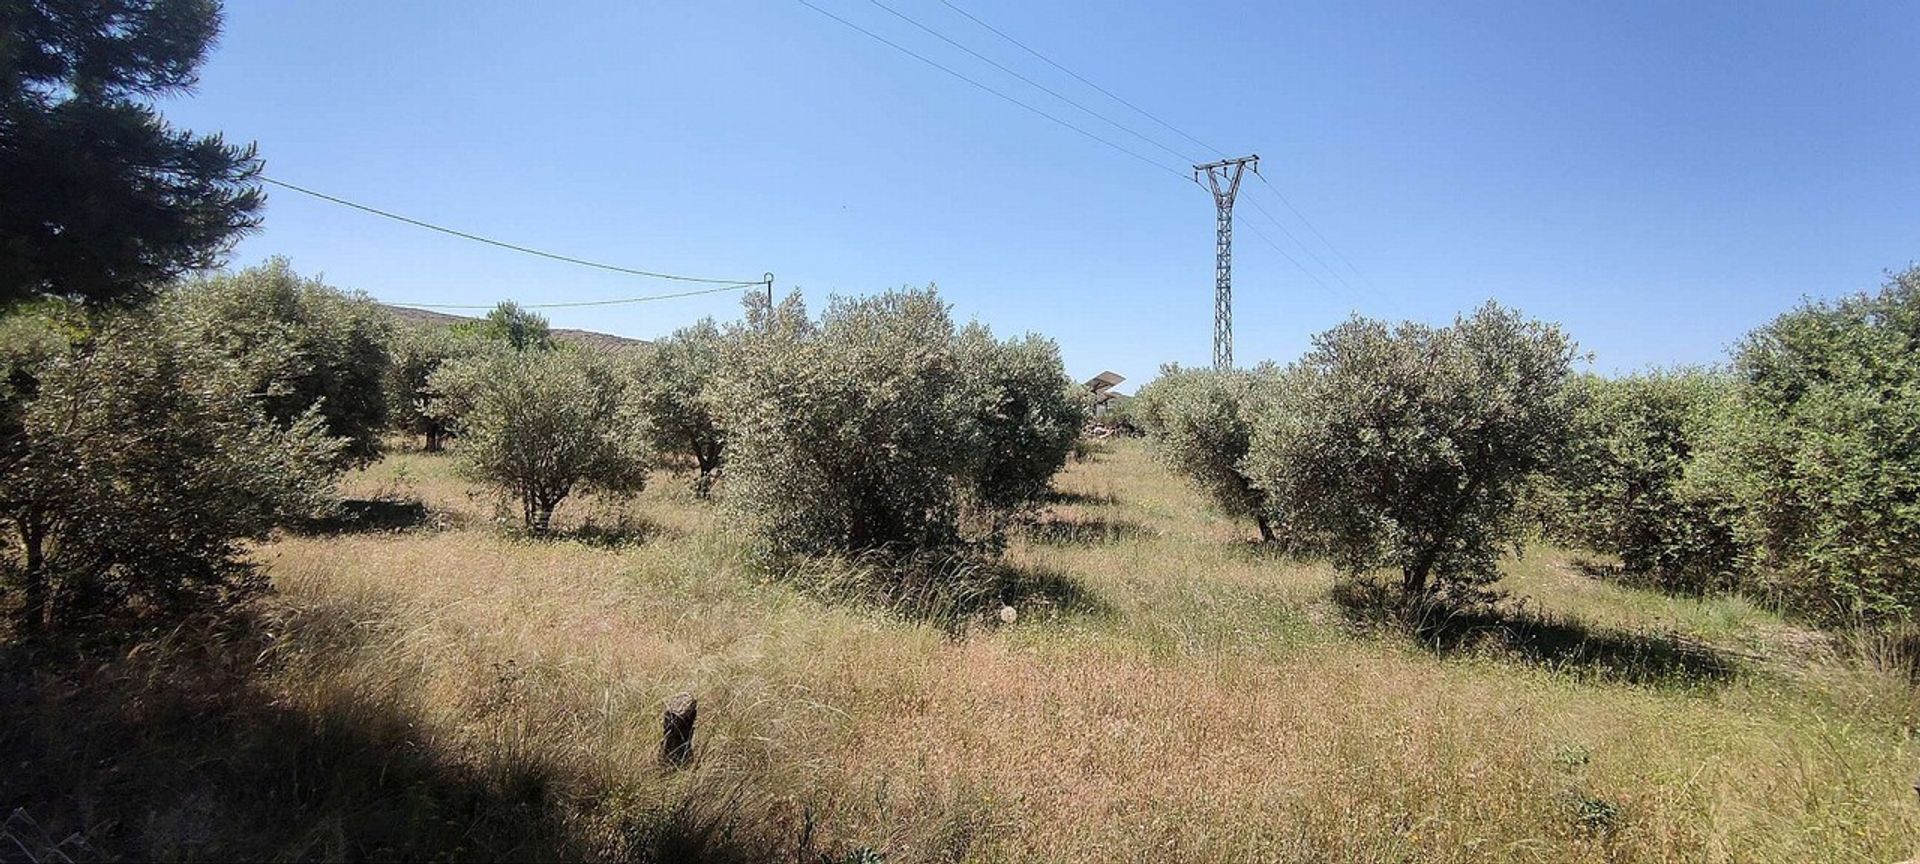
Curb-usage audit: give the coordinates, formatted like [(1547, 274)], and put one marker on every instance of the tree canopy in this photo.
[(675, 380), (305, 346), (545, 424), (103, 200), (1200, 424), (1407, 446), (876, 428)]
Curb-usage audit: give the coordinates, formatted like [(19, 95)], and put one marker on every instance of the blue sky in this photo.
[(1657, 177)]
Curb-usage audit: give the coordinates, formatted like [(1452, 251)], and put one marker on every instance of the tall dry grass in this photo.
[(426, 685)]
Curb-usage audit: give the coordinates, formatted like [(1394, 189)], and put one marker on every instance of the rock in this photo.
[(676, 738), (1008, 615)]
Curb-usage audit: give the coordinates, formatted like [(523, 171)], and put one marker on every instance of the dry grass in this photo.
[(423, 685)]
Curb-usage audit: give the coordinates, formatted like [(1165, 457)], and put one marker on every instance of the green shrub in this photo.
[(1622, 487), (303, 345), (674, 383), (137, 463), (1408, 446), (1821, 451), (871, 430), (1199, 422), (544, 424)]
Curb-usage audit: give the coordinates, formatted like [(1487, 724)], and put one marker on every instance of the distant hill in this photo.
[(441, 319)]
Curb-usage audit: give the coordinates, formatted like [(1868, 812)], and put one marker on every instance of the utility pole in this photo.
[(1224, 178), (768, 278)]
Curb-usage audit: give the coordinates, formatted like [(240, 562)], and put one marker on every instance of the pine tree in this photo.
[(100, 199)]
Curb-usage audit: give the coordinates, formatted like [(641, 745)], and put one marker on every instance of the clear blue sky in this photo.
[(1658, 177)]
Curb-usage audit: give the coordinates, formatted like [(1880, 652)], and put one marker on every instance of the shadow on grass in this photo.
[(1553, 641), (627, 530), (1058, 496), (1055, 530), (1690, 585), (1052, 593), (369, 516), (177, 746), (953, 591)]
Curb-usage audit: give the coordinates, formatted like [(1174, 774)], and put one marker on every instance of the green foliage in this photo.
[(674, 383), (521, 329), (1623, 486), (102, 199), (138, 464), (1199, 422), (414, 405), (1408, 446), (543, 424), (872, 430), (1020, 417), (1123, 415), (1821, 451), (303, 345)]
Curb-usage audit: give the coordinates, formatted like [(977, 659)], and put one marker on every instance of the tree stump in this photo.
[(676, 738)]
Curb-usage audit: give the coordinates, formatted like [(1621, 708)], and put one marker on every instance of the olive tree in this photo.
[(872, 429), (1821, 451), (414, 405), (1199, 423), (520, 328), (305, 346), (545, 424), (674, 383), (1407, 446), (1623, 485), (1019, 416), (138, 463)]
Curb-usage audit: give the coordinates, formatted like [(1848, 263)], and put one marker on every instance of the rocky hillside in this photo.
[(442, 319)]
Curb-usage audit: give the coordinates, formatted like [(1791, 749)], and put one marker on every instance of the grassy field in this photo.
[(422, 684)]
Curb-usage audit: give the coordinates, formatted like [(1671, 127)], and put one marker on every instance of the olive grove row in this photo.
[(146, 442), (1792, 474)]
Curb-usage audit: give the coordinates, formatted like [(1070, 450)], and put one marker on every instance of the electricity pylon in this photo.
[(1224, 178)]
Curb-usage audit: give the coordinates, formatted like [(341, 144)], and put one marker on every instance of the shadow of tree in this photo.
[(1045, 591), (626, 530), (1058, 496), (1056, 530), (953, 590), (1677, 585), (176, 745), (370, 515), (1554, 641)]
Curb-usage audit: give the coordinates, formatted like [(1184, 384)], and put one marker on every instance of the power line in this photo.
[(910, 53), (580, 303), (1295, 261), (1303, 247), (1076, 76), (1176, 130), (1316, 232), (731, 283), (1035, 84)]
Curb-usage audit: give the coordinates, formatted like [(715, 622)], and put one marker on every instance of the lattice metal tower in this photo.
[(1224, 178)]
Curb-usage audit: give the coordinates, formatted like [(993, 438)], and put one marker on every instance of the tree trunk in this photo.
[(34, 612), (708, 458), (541, 519), (1413, 578), (1266, 530)]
